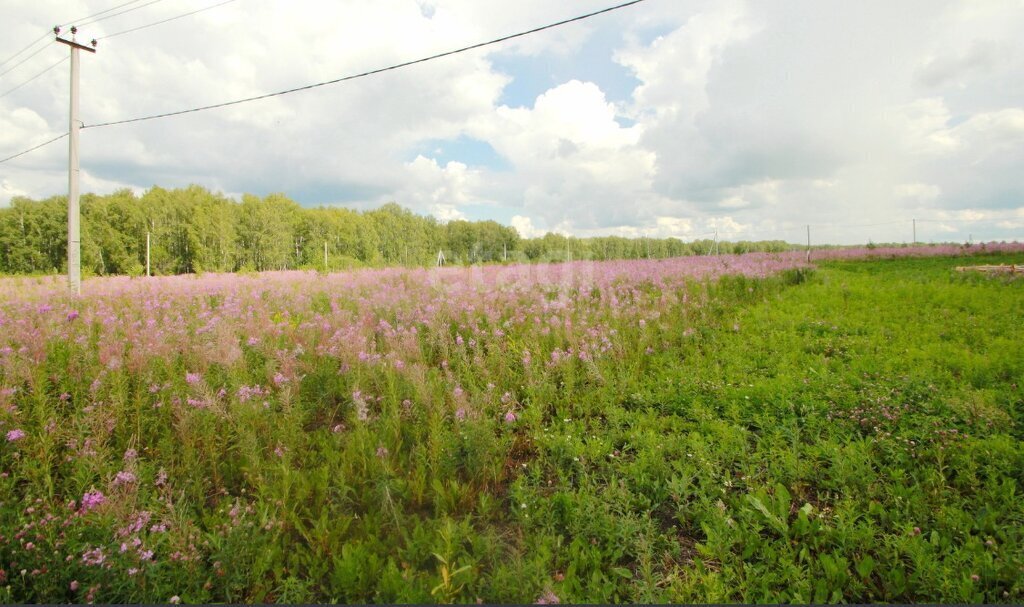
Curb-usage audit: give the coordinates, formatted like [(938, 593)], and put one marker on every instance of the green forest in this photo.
[(195, 230)]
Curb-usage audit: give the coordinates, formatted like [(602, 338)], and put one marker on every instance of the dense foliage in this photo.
[(194, 230), (712, 429)]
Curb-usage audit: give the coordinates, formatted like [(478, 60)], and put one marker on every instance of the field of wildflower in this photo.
[(749, 428)]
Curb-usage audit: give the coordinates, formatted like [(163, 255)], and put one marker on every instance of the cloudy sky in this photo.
[(667, 118)]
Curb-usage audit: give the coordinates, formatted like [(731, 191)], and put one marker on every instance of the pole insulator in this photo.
[(56, 30), (74, 30)]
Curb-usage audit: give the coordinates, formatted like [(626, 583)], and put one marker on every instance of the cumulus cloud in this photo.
[(524, 225), (752, 118)]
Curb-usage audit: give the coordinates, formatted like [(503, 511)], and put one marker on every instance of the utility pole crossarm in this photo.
[(77, 45)]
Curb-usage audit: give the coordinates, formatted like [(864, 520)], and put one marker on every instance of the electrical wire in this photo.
[(965, 220), (48, 32), (127, 10), (344, 78), (59, 61), (41, 49), (32, 149), (28, 46), (142, 27), (371, 72), (113, 8)]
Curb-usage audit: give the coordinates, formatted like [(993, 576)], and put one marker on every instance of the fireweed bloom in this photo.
[(16, 434), (92, 499)]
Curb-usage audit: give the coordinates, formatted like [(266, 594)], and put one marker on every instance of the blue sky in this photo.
[(662, 119)]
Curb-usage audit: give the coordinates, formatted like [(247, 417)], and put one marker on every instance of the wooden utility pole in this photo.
[(325, 256), (147, 254), (808, 243), (74, 124), (915, 230)]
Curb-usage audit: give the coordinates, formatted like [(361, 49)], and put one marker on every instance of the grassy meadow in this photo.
[(744, 428)]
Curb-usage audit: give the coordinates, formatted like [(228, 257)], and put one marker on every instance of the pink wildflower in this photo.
[(124, 477), (94, 556), (92, 499), (511, 417), (192, 378), (16, 434)]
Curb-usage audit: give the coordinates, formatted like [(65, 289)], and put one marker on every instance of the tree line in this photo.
[(194, 230)]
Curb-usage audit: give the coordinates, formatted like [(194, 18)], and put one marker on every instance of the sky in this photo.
[(675, 118)]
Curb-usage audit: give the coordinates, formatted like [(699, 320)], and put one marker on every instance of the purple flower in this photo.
[(511, 417), (92, 499), (94, 556), (16, 434), (124, 477), (73, 314), (192, 378), (548, 598)]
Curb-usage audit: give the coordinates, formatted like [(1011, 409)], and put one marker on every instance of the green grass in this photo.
[(856, 439), (851, 434)]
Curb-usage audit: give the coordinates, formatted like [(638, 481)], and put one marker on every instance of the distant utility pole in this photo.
[(440, 258), (74, 230), (147, 254), (915, 230), (325, 256), (808, 243)]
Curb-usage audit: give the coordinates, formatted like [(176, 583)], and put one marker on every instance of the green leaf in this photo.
[(775, 521), (866, 566), (622, 572)]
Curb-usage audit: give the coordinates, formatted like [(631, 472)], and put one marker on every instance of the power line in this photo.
[(32, 149), (113, 8), (41, 49), (47, 33), (141, 27), (59, 61), (371, 72), (127, 10), (970, 220), (344, 78), (28, 46), (105, 37)]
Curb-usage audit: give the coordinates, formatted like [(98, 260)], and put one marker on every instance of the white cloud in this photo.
[(677, 227), (923, 192), (524, 225), (9, 191), (774, 114)]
